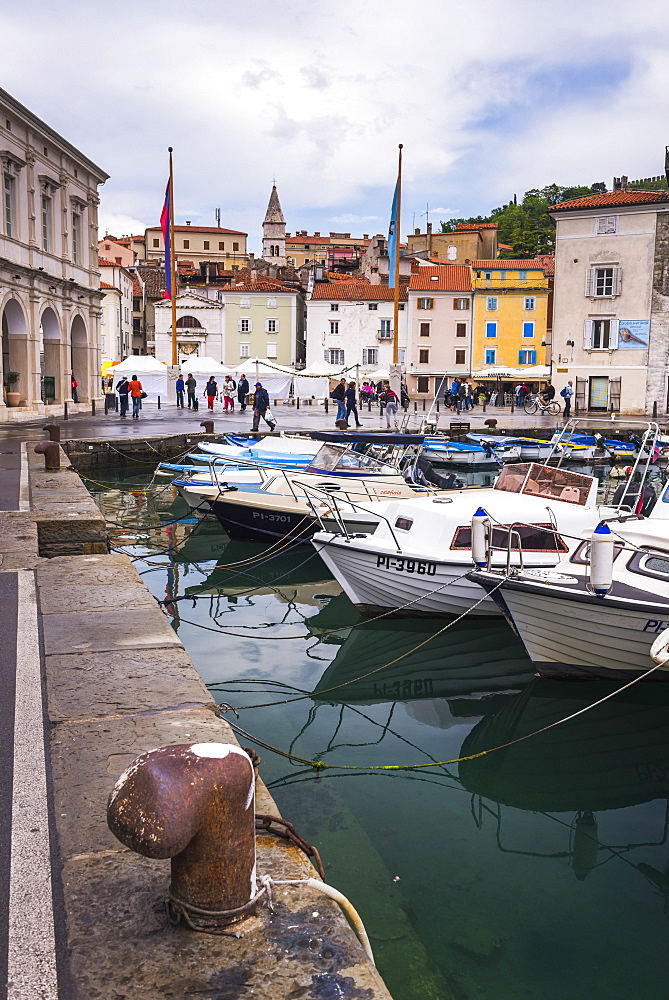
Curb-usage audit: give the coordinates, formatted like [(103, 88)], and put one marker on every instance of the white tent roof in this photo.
[(204, 366), (321, 369), (380, 373), (136, 363), (266, 366), (536, 371)]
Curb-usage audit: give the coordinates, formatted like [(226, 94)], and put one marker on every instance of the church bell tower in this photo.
[(274, 232)]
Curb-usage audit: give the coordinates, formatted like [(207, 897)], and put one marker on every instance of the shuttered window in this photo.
[(491, 329), (603, 282), (424, 303)]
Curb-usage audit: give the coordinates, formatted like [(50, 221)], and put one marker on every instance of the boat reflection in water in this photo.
[(611, 757), (452, 675)]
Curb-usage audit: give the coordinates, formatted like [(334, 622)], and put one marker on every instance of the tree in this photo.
[(527, 227)]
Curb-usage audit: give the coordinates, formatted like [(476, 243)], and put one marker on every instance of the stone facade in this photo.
[(49, 283), (657, 385)]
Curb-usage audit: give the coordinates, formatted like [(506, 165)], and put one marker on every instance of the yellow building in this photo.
[(510, 313)]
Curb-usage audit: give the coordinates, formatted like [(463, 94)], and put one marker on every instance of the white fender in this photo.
[(601, 560), (480, 521)]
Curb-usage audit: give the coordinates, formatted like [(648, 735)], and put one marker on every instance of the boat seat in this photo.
[(570, 493)]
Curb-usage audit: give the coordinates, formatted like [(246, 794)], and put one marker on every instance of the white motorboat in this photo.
[(574, 623), (341, 488), (419, 555), (483, 453)]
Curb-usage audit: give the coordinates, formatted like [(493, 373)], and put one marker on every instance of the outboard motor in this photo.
[(422, 473), (639, 499), (600, 442)]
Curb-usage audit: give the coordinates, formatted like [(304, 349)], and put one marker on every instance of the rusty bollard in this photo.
[(51, 452), (195, 804), (208, 426), (54, 431)]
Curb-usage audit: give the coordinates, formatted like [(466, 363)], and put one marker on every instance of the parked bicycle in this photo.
[(535, 404)]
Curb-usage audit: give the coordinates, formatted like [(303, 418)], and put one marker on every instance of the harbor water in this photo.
[(537, 870)]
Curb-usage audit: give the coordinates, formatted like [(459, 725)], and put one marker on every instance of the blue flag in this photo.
[(393, 248)]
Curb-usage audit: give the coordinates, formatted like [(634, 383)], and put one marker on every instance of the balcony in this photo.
[(384, 335)]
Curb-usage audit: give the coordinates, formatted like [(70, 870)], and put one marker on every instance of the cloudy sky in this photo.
[(488, 98)]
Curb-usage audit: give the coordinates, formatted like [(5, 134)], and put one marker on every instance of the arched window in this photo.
[(188, 323)]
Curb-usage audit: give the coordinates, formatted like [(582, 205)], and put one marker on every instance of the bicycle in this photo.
[(535, 404)]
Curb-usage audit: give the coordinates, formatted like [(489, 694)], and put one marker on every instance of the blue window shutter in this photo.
[(326, 356), (491, 329), (533, 357), (528, 329), (521, 360)]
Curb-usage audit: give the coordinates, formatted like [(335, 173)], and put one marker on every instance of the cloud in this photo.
[(483, 107), (350, 219), (119, 225)]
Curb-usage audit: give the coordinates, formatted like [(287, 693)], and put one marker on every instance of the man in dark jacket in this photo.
[(339, 395), (260, 408), (242, 391), (123, 388), (190, 386), (548, 393)]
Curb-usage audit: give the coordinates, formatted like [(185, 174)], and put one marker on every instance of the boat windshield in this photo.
[(545, 481), (340, 458)]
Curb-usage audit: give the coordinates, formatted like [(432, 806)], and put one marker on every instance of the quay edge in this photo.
[(118, 682)]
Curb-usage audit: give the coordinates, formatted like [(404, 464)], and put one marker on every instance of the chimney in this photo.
[(416, 232), (365, 236), (317, 234), (429, 229), (187, 222)]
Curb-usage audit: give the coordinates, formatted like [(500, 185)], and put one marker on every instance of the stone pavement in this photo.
[(169, 420)]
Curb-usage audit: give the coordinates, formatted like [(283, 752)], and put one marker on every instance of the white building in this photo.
[(200, 325), (49, 282), (611, 300), (351, 323), (116, 320)]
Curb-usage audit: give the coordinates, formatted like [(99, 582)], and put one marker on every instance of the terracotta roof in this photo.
[(450, 278), (508, 265), (354, 290), (612, 199), (504, 246), (103, 262), (154, 280), (136, 288), (476, 225), (199, 229), (113, 288), (262, 285)]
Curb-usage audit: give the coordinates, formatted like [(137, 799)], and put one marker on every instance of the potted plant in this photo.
[(12, 398)]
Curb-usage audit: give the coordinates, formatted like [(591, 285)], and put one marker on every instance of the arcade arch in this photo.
[(79, 355), (51, 350), (15, 354)]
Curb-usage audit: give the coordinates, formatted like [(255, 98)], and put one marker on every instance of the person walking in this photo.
[(210, 391), (566, 394), (191, 385), (135, 387), (229, 387), (242, 392), (389, 397), (123, 388), (462, 396), (404, 397), (339, 395), (179, 386), (260, 408), (73, 387), (351, 401)]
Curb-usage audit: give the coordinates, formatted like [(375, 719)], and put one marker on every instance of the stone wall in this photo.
[(658, 353)]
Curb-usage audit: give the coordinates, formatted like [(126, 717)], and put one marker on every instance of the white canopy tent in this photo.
[(151, 373), (498, 371), (315, 380), (203, 366), (274, 377), (535, 372)]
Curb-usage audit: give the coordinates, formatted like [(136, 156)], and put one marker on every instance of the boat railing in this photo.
[(316, 497)]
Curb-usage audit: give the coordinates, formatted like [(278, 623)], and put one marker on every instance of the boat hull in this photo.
[(401, 583), (561, 633), (257, 523)]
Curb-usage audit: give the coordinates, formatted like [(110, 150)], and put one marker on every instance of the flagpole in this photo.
[(173, 267), (396, 302)]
